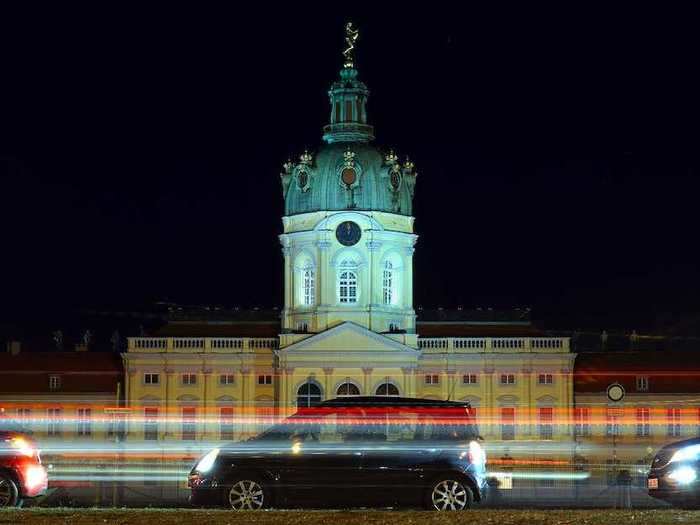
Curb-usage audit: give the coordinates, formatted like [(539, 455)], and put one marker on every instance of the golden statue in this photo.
[(350, 39)]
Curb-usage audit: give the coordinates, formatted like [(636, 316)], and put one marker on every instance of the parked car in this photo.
[(21, 473), (674, 475), (359, 451)]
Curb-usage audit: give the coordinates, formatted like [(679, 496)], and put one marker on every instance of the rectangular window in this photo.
[(55, 423), (337, 112), (582, 421), (507, 423), (84, 422), (226, 423), (348, 110), (150, 423), (545, 379), (23, 415), (507, 379), (673, 419), (545, 416), (189, 425), (432, 379), (612, 425), (642, 383), (189, 379), (54, 382), (470, 379), (226, 379), (264, 379), (643, 422), (151, 379)]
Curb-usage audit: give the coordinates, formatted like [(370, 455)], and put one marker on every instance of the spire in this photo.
[(348, 98)]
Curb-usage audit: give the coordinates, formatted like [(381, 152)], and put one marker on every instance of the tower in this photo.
[(348, 236)]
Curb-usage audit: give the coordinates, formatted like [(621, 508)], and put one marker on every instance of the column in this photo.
[(324, 277), (327, 384), (408, 279), (528, 379), (367, 376), (207, 403)]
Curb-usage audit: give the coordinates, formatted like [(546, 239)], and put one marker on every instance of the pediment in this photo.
[(348, 338)]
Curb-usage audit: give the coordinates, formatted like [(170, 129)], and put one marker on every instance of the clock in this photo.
[(348, 233), (616, 392)]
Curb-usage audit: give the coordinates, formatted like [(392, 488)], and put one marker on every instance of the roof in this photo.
[(668, 372), (384, 401), (476, 330), (80, 372), (218, 329)]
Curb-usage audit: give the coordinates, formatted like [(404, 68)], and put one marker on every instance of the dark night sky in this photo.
[(557, 151)]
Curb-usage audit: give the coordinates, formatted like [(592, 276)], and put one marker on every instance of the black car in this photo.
[(361, 451), (675, 473)]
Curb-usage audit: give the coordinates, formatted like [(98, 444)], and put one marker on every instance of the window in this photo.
[(151, 379), (55, 423), (226, 423), (308, 395), (84, 422), (507, 379), (545, 416), (54, 382), (23, 415), (150, 423), (642, 383), (189, 379), (348, 110), (432, 379), (582, 421), (264, 379), (226, 379), (673, 418), (302, 326), (388, 283), (308, 286), (387, 389), (507, 423), (189, 426), (642, 422), (470, 379), (337, 112), (347, 282), (545, 379), (612, 425), (348, 389)]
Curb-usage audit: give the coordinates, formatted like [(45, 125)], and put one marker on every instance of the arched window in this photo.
[(388, 283), (347, 282), (348, 389), (308, 283), (387, 389), (308, 395)]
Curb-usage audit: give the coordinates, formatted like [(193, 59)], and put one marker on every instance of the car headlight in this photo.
[(22, 446), (683, 475), (690, 453), (207, 462), (476, 453)]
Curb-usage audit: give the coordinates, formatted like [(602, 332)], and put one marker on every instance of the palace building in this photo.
[(348, 325)]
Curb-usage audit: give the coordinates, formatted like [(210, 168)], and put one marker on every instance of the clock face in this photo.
[(616, 392), (348, 233)]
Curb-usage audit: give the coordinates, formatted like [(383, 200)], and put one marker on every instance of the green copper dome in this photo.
[(347, 172)]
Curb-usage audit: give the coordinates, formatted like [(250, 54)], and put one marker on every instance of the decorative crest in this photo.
[(408, 166), (391, 158), (351, 35), (288, 167), (306, 158), (349, 157)]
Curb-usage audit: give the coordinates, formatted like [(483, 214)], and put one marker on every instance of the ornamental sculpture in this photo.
[(350, 39)]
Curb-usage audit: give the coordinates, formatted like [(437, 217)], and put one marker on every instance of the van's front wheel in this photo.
[(449, 495)]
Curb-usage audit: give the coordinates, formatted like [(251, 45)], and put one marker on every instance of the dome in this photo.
[(348, 176), (348, 172)]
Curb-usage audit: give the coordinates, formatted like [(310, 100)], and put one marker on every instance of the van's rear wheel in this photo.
[(449, 494), (9, 495), (248, 494)]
